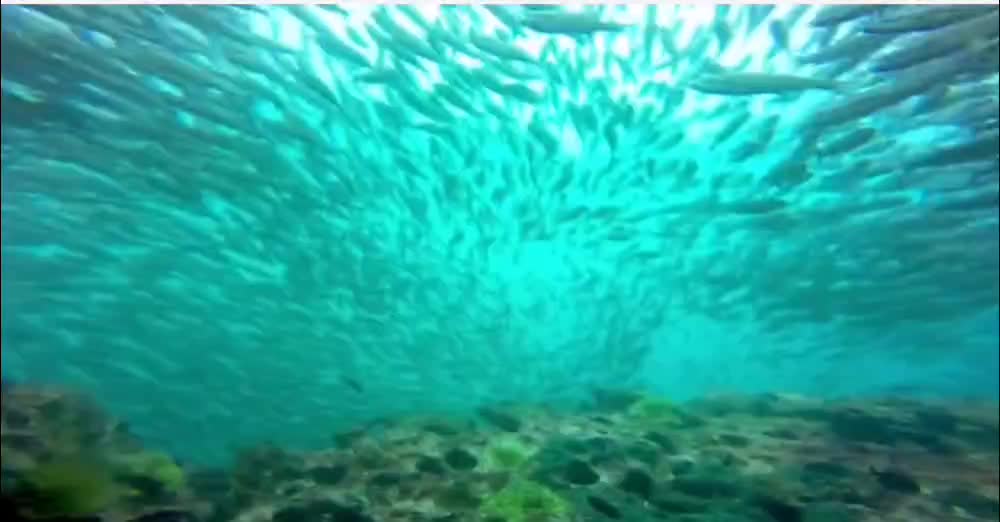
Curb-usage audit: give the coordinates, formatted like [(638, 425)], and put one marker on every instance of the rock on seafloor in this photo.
[(766, 458)]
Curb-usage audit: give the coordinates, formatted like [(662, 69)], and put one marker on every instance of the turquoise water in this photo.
[(234, 225)]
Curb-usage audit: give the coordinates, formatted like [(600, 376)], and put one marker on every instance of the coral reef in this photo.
[(768, 458), (751, 459), (65, 459)]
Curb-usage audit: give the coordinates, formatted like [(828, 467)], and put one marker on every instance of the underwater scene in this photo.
[(500, 263)]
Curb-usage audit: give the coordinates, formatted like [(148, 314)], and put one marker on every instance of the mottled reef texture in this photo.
[(66, 460), (632, 458)]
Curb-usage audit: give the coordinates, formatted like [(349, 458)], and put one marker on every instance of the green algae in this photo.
[(508, 454), (654, 411), (156, 467), (73, 486), (526, 501)]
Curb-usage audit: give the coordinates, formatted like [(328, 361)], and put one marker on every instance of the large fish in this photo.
[(735, 83)]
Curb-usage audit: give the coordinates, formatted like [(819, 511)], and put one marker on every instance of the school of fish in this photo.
[(261, 220)]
